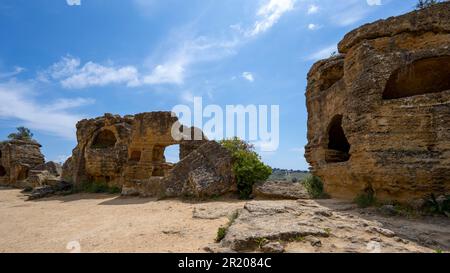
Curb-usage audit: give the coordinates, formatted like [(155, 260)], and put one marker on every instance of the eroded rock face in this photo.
[(379, 113), (17, 159), (128, 152)]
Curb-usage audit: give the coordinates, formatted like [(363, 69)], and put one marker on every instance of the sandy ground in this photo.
[(108, 223), (105, 223)]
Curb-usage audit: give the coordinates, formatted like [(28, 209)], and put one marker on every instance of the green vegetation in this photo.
[(247, 165), (366, 199), (434, 206), (261, 242), (314, 186), (22, 134), (222, 231), (288, 175), (422, 4)]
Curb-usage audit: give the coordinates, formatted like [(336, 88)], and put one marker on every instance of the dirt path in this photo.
[(105, 223)]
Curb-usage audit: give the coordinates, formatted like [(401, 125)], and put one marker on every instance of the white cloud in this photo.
[(322, 53), (53, 118), (248, 76), (312, 9), (374, 2), (313, 27), (17, 71), (73, 2), (270, 13), (71, 75)]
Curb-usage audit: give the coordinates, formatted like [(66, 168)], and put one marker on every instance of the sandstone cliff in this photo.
[(379, 112)]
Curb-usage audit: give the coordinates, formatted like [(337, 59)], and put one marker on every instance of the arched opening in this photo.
[(172, 153), (2, 171), (23, 174), (423, 76), (104, 139), (338, 145), (135, 156)]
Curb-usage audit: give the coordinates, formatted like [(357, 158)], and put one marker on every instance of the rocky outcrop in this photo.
[(128, 152), (327, 226), (17, 159), (379, 113), (280, 190)]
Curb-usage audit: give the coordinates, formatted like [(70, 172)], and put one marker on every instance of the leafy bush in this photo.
[(22, 134), (365, 200), (435, 206), (314, 186), (247, 165)]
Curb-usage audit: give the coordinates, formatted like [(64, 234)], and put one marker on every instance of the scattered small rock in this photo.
[(273, 247)]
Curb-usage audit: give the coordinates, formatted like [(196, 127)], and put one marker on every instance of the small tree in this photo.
[(422, 4), (247, 165), (22, 134)]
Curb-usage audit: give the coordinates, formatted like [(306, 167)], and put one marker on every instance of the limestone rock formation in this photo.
[(326, 226), (280, 190), (128, 152), (17, 159), (379, 112)]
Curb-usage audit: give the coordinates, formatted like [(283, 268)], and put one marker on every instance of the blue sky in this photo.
[(64, 60)]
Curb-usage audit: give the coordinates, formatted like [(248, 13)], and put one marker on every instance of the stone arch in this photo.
[(338, 145), (2, 171), (424, 76), (104, 139)]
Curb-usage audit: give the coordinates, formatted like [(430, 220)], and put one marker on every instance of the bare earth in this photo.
[(104, 223), (107, 223)]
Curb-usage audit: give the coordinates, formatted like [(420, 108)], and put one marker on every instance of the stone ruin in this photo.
[(128, 152), (17, 159), (379, 112)]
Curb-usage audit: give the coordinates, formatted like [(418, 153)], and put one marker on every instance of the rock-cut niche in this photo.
[(338, 145), (2, 171), (430, 75), (104, 139)]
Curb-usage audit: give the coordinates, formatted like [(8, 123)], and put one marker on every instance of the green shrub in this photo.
[(22, 134), (222, 231), (247, 165), (365, 200), (314, 186), (432, 205)]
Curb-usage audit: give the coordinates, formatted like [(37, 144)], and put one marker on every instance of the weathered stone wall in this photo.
[(129, 152), (17, 159), (379, 112)]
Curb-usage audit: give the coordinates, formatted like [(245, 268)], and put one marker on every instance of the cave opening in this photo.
[(338, 145), (2, 171), (424, 76), (104, 139)]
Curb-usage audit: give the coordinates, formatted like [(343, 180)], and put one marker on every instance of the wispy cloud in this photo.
[(53, 118), (72, 75), (248, 76), (17, 70), (269, 15), (73, 2)]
